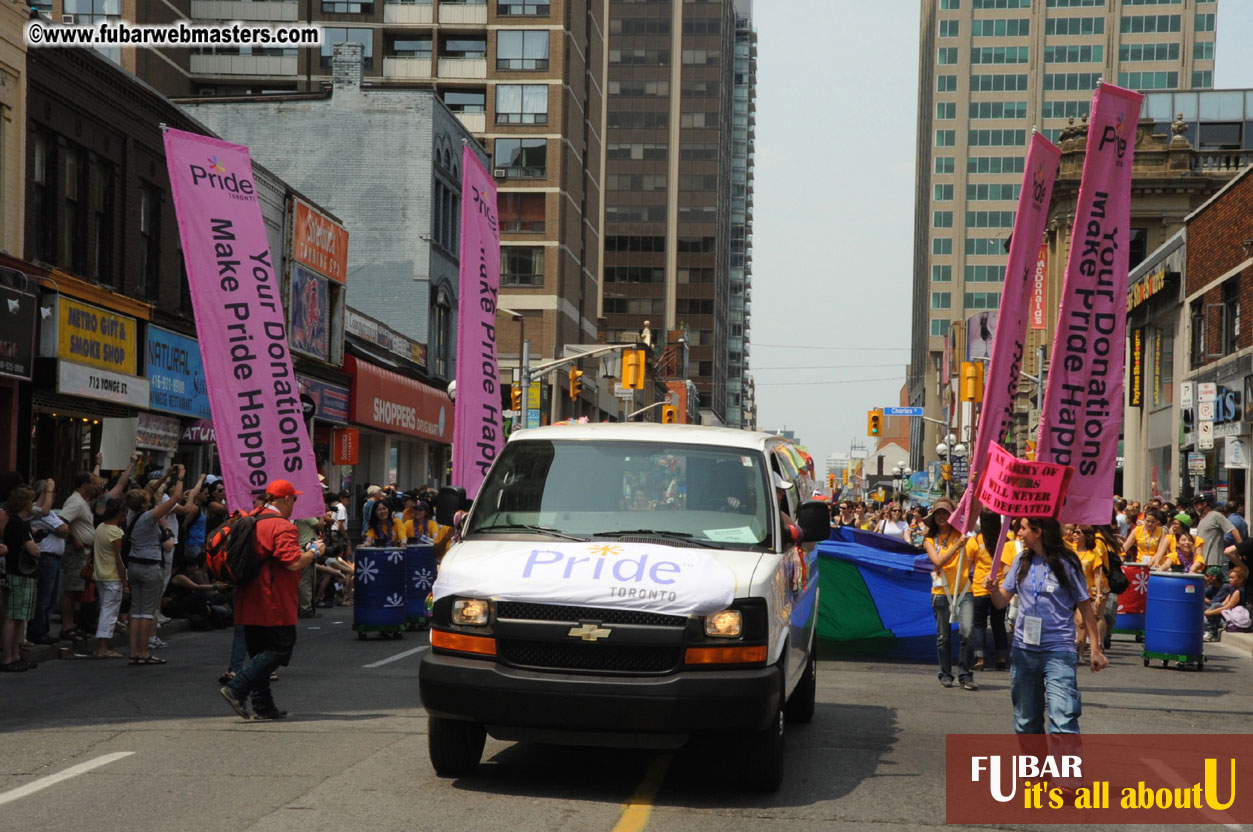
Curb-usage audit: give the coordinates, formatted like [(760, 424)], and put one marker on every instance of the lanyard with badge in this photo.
[(1032, 625), (940, 580)]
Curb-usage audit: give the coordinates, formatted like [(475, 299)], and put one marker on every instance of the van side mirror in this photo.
[(814, 518), (451, 500)]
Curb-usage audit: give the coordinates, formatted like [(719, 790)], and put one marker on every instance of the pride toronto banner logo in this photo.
[(1106, 778)]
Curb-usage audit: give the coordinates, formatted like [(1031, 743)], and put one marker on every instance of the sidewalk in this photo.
[(66, 650)]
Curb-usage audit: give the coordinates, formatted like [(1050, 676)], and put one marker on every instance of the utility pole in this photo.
[(524, 382)]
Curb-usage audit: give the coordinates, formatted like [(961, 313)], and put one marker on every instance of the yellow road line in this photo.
[(640, 807)]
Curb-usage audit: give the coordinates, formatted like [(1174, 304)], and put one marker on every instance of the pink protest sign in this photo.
[(478, 427), (253, 393), (1082, 413), (1018, 488), (1010, 338)]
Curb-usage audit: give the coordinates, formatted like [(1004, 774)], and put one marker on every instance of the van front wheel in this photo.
[(455, 746), (762, 755)]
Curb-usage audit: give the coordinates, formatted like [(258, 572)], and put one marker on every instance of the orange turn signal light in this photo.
[(726, 655), (462, 643)]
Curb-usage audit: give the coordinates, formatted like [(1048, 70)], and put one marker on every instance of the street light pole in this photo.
[(524, 384)]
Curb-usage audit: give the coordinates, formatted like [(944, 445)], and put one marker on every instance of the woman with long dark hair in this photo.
[(979, 551), (951, 600), (1048, 580), (382, 529)]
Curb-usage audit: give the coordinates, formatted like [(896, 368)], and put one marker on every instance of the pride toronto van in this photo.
[(628, 585)]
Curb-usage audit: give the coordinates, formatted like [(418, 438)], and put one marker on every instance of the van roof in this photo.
[(651, 432)]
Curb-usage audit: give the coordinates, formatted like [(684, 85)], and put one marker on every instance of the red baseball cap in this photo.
[(282, 488)]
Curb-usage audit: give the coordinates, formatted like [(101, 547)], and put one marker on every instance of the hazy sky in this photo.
[(834, 198)]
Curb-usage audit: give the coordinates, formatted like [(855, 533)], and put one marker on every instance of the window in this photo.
[(1220, 135), (463, 46), (941, 274), (150, 241), (993, 246), (941, 219), (411, 48), (643, 274), (950, 5), (944, 164), (940, 326), (1065, 109), (1077, 54), (446, 217), (700, 57), (1149, 23), (1074, 4), (521, 265), (1000, 55), (949, 28), (1138, 52), (640, 306), (993, 192), (441, 345), (526, 49), (998, 109), (945, 138), (989, 219), (103, 208), (1231, 315), (946, 110), (1071, 80), (997, 138), (1074, 26), (943, 193), (466, 101), (336, 7), (633, 242), (1204, 23), (1002, 28), (946, 83), (1203, 50), (1198, 333), (44, 207), (941, 300), (510, 9), (1149, 80), (95, 12), (1151, 2), (982, 300), (985, 274), (1137, 246), (947, 55), (332, 35), (1203, 79), (636, 88), (522, 104), (696, 119), (74, 211), (998, 83), (996, 164), (1000, 4), (522, 212), (522, 158), (942, 245)]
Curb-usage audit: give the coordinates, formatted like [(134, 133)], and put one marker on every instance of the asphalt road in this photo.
[(352, 755)]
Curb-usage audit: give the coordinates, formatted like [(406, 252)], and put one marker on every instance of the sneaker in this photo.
[(1208, 636), (163, 619), (969, 684), (240, 707), (269, 713), (156, 643), (946, 683)]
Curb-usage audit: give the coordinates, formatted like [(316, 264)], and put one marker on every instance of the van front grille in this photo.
[(580, 656)]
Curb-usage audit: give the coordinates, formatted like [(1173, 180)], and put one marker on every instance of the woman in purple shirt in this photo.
[(1048, 580)]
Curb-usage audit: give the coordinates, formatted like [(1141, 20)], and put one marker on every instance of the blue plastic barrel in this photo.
[(379, 593), (1175, 615), (420, 569)]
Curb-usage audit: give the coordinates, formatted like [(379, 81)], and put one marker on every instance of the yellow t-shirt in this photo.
[(1172, 549), (1091, 559), (1146, 544), (105, 564), (978, 552), (953, 566)]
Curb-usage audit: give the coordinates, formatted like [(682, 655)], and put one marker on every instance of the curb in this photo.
[(66, 650)]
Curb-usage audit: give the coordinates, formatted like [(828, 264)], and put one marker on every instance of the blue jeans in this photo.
[(239, 650), (985, 610), (944, 635), (1045, 677), (269, 648), (47, 596)]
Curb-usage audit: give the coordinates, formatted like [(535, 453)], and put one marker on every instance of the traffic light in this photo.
[(669, 414), (633, 369), (845, 473), (515, 397), (972, 381), (576, 382), (830, 480), (874, 423)]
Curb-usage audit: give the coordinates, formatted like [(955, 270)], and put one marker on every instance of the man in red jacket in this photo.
[(266, 606)]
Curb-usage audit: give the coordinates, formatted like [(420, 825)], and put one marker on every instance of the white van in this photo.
[(627, 585)]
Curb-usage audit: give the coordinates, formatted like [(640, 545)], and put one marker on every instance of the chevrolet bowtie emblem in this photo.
[(589, 632)]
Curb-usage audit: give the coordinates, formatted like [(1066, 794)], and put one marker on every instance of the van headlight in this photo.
[(470, 612), (724, 624)]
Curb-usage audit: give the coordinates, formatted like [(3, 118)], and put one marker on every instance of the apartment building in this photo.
[(741, 395), (990, 71), (668, 184)]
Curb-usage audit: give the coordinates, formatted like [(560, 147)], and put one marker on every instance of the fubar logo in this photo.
[(214, 175)]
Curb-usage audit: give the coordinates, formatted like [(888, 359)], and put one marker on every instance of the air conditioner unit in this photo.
[(500, 173), (68, 19)]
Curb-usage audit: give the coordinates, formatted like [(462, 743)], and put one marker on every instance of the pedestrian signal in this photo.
[(669, 414), (972, 381), (633, 369), (874, 423), (576, 382), (515, 397)]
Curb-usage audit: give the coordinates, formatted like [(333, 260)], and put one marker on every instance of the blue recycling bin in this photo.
[(420, 569), (1174, 619), (379, 591)]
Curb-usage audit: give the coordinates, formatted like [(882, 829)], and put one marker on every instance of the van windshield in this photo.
[(710, 495)]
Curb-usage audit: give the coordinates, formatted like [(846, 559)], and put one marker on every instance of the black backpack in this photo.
[(231, 552), (1118, 582), (126, 540)]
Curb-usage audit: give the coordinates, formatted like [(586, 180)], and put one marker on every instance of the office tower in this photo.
[(741, 397), (989, 71), (668, 182)]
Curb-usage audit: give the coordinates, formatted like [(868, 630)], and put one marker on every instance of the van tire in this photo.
[(800, 705), (455, 746), (762, 756)]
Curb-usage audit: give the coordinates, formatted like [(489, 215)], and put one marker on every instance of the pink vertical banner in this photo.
[(1079, 424), (478, 427), (235, 293), (1010, 335)]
